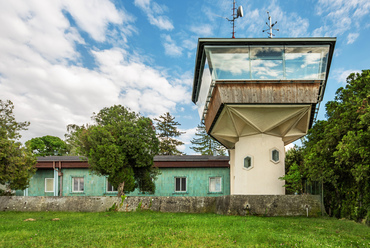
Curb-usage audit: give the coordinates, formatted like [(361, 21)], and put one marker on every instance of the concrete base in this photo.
[(262, 175), (259, 205)]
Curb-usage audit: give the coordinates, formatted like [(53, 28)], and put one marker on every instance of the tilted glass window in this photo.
[(304, 62)]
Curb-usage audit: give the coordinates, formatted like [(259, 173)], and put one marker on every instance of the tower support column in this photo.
[(256, 164)]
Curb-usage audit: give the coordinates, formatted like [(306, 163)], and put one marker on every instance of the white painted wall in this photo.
[(263, 177)]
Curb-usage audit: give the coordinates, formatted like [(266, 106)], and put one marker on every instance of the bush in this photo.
[(6, 192)]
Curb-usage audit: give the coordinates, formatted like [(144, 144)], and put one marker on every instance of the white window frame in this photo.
[(181, 186), (271, 155), (79, 185), (107, 187), (47, 179), (251, 160), (209, 184)]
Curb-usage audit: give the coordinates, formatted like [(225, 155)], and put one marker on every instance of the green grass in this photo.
[(143, 229)]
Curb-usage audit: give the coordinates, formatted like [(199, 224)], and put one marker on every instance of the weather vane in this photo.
[(270, 26)]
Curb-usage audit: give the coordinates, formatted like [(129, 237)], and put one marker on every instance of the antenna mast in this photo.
[(270, 26), (239, 13)]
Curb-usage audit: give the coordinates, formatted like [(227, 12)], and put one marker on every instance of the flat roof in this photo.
[(61, 158)]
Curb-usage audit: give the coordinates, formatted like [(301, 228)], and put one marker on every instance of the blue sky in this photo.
[(60, 61)]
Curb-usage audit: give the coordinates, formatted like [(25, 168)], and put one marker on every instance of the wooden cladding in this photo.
[(159, 164), (260, 93)]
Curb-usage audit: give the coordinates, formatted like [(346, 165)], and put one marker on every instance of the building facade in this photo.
[(180, 176)]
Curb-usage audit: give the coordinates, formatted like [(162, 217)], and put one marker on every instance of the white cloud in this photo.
[(204, 30), (340, 75), (154, 13), (37, 47), (340, 16), (292, 24), (352, 37), (289, 146), (142, 88), (186, 137), (94, 16), (190, 44), (170, 46)]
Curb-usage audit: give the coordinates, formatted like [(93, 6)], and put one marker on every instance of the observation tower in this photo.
[(257, 95)]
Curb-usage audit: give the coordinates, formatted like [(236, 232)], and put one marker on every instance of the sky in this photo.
[(63, 60)]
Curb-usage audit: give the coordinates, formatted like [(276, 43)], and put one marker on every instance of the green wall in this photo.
[(37, 183), (197, 182)]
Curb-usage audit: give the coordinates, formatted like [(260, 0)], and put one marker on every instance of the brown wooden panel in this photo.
[(159, 164), (192, 164), (260, 93), (65, 164), (213, 107), (256, 93)]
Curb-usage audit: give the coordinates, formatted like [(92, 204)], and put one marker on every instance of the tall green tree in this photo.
[(47, 146), (167, 133), (16, 163), (205, 144), (294, 171), (73, 138), (336, 151), (120, 145)]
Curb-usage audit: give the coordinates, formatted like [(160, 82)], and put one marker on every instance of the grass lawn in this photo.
[(143, 229)]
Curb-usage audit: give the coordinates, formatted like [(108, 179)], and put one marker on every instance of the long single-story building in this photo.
[(189, 175)]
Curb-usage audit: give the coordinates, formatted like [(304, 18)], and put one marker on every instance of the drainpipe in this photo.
[(55, 180), (60, 174)]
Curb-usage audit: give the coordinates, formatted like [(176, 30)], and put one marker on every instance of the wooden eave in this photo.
[(159, 164)]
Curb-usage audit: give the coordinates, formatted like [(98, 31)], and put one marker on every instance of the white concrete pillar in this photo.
[(256, 164)]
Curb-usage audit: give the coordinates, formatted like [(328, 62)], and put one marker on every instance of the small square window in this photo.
[(49, 184), (78, 184), (180, 184), (214, 184)]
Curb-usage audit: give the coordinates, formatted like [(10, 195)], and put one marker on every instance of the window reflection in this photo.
[(268, 62)]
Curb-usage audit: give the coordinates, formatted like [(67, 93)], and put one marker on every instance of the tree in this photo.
[(336, 151), (73, 138), (294, 171), (121, 145), (47, 146), (205, 144), (167, 133), (16, 163)]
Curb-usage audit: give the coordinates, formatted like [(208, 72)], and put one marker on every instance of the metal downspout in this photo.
[(60, 174), (55, 180)]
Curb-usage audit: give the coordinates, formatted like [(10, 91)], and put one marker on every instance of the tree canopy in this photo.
[(336, 151), (16, 163), (47, 146), (205, 144), (167, 133), (120, 145)]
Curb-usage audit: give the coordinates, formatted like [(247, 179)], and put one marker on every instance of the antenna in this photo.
[(239, 13), (270, 26)]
